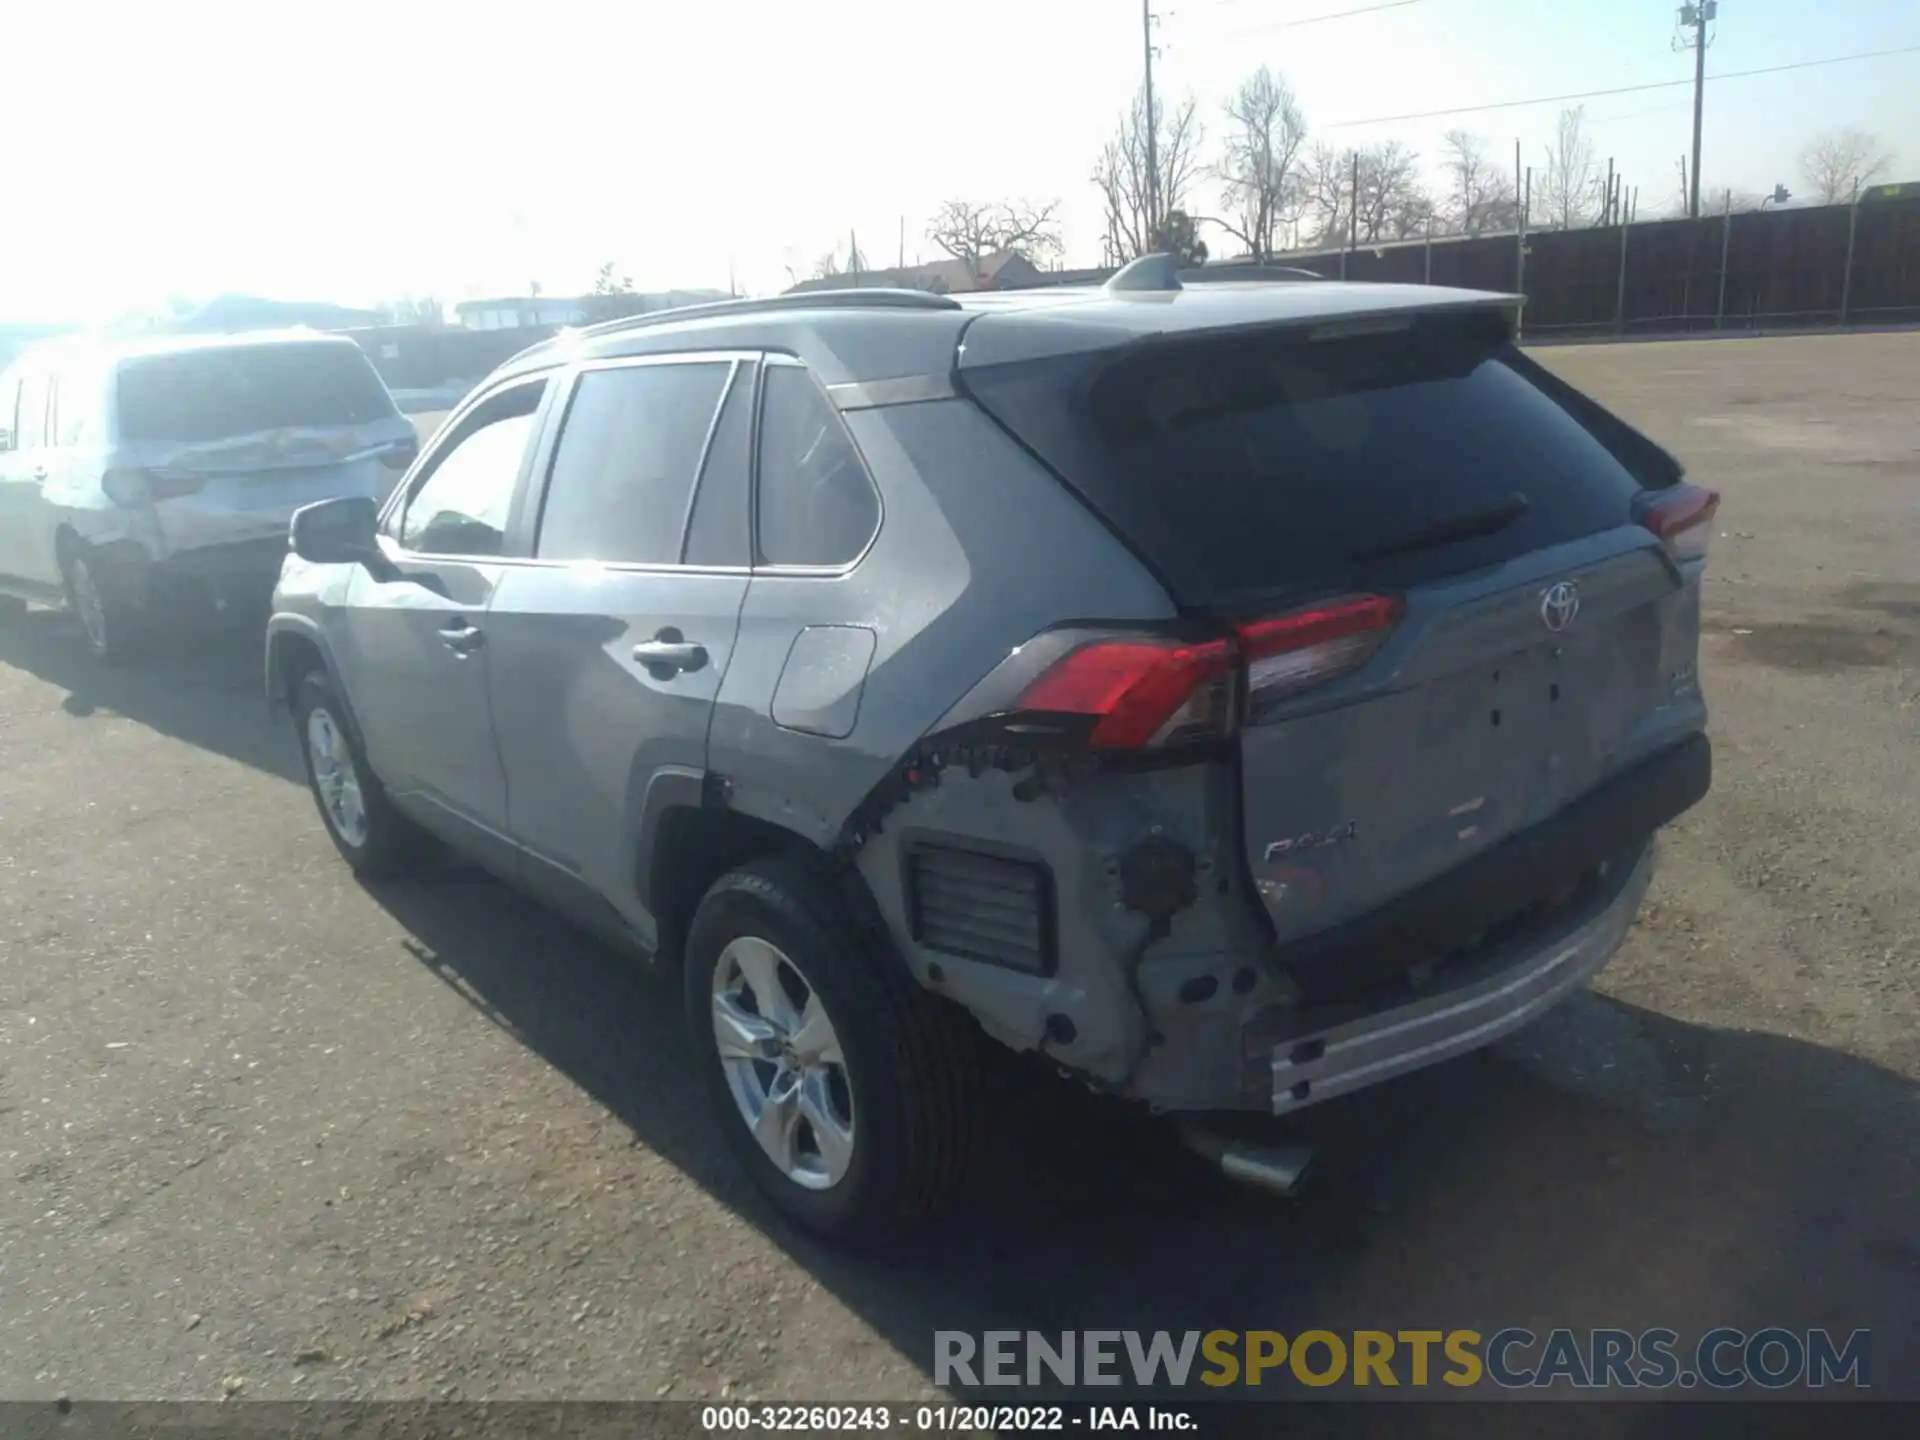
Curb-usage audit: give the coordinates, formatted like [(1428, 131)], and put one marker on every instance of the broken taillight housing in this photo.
[(1143, 692), (1314, 644), (1683, 519), (1140, 692)]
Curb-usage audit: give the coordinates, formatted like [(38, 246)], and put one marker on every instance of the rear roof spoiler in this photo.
[(1164, 272)]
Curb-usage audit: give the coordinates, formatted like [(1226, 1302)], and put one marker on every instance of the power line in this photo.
[(1304, 20), (1320, 19), (1620, 89)]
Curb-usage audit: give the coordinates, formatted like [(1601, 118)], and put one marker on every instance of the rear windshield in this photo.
[(1250, 467), (217, 394)]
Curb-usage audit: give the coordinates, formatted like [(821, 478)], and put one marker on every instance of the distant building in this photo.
[(533, 311), (231, 313), (1003, 269)]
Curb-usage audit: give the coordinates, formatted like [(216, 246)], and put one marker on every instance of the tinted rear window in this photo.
[(1256, 466), (215, 394)]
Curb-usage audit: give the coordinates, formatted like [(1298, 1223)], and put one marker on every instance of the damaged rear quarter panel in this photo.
[(979, 549)]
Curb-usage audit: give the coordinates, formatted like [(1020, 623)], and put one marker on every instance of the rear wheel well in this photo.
[(693, 848)]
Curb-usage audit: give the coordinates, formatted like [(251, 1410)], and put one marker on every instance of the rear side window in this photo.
[(816, 505), (30, 412), (200, 395), (623, 470), (1249, 467)]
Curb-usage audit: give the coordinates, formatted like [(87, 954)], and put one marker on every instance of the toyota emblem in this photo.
[(1559, 604)]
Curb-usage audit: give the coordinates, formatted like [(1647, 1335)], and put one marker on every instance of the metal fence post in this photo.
[(1726, 239), (1429, 279), (1846, 273), (1620, 292)]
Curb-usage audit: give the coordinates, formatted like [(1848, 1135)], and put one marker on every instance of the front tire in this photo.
[(109, 619), (374, 838), (850, 1095)]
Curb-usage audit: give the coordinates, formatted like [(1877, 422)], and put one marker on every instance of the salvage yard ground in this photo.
[(268, 1132)]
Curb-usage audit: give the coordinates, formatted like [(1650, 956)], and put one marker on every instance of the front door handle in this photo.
[(669, 654), (461, 636)]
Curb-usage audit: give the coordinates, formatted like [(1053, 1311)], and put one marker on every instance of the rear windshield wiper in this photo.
[(1492, 520)]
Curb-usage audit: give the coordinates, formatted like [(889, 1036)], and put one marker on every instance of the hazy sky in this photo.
[(358, 152)]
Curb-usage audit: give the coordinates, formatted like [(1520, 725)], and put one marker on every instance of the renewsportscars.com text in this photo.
[(1722, 1359)]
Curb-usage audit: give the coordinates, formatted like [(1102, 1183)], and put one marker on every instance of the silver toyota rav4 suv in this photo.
[(142, 476), (1236, 694)]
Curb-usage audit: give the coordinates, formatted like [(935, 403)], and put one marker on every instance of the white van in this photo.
[(140, 476)]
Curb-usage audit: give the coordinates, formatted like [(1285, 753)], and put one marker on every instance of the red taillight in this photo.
[(166, 486), (1683, 519), (128, 488), (1305, 647), (1142, 693)]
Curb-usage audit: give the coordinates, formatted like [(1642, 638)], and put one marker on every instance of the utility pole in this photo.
[(1695, 17), (1153, 159)]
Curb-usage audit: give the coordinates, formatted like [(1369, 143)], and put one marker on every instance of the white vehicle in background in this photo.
[(141, 477)]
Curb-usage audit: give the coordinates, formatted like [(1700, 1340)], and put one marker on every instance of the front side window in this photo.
[(624, 467), (460, 505), (816, 505)]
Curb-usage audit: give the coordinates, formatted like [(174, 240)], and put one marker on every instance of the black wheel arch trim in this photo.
[(279, 686)]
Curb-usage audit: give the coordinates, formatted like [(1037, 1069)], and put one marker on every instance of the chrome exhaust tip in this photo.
[(1275, 1167)]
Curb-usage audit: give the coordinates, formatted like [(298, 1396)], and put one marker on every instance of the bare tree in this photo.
[(1121, 173), (1262, 184), (1479, 194), (1840, 163), (972, 230), (833, 262), (1328, 185), (1571, 188), (1382, 181)]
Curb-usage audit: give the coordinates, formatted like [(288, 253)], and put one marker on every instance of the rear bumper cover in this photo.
[(1487, 999), (1450, 912), (239, 571), (1452, 966)]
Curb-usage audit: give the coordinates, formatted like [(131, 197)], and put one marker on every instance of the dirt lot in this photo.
[(267, 1131)]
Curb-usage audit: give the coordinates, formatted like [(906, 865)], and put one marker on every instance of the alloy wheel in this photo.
[(336, 779), (88, 603), (783, 1062)]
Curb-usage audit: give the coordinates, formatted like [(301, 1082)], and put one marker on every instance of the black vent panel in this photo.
[(982, 907)]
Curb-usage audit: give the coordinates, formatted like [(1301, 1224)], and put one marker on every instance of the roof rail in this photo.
[(1229, 272), (854, 298)]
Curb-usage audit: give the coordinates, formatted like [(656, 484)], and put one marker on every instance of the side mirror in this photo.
[(339, 532)]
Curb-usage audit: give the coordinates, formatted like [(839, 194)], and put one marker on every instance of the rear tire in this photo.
[(114, 626), (373, 837), (872, 1144)]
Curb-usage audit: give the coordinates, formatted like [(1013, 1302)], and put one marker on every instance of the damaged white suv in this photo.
[(137, 476)]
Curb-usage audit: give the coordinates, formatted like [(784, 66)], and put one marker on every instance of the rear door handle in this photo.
[(667, 655), (461, 636)]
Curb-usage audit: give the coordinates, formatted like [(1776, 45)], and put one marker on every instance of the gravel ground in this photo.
[(268, 1133)]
